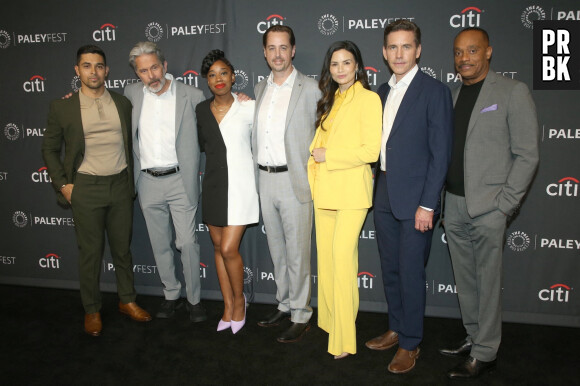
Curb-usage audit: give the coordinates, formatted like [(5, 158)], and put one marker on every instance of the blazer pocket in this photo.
[(495, 179)]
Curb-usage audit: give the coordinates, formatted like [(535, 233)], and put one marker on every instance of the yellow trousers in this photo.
[(337, 234)]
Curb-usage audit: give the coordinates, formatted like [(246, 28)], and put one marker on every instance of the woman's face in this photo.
[(220, 78), (343, 68)]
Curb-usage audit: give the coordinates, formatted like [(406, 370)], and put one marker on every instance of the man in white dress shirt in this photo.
[(283, 129), (166, 156)]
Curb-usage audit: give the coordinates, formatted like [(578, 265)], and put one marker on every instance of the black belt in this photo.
[(161, 173), (274, 169)]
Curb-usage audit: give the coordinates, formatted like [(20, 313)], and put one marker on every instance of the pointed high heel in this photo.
[(223, 325), (237, 326)]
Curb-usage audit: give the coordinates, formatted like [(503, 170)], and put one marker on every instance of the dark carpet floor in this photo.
[(43, 343)]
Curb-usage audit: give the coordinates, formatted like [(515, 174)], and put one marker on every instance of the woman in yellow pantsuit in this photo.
[(347, 139)]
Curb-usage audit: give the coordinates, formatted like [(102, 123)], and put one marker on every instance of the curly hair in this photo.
[(212, 57), (328, 86)]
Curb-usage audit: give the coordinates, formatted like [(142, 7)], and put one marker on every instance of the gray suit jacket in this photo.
[(186, 142), (300, 129), (501, 148)]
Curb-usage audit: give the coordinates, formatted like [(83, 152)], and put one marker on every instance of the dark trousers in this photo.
[(99, 204), (404, 252)]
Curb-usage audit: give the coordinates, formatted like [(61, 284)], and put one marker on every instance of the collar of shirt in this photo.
[(406, 81), (168, 93), (289, 82), (87, 101)]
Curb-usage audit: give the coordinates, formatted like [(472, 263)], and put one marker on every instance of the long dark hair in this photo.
[(328, 86)]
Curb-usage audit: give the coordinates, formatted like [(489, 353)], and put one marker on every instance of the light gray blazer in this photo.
[(300, 120), (501, 149), (186, 141)]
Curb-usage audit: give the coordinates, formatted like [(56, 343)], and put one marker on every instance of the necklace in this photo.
[(222, 110)]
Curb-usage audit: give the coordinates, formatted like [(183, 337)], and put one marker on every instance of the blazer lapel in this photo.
[(482, 100), (294, 97), (180, 101), (411, 96)]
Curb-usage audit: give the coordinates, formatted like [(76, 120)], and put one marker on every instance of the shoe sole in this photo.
[(135, 319), (406, 370), (296, 339), (462, 355)]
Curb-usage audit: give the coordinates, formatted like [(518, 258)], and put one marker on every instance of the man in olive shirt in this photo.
[(96, 173)]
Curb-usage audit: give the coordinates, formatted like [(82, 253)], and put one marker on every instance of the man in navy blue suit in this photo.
[(415, 155)]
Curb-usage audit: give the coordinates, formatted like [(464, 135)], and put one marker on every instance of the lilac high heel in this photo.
[(223, 325), (237, 326)]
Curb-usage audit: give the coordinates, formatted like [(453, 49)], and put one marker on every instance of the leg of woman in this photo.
[(342, 338), (234, 266), (325, 220), (216, 234)]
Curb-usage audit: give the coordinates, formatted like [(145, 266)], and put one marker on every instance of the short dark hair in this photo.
[(91, 49), (481, 30), (279, 28), (212, 57), (403, 25)]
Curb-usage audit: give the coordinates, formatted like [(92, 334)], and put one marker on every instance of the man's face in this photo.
[(472, 54), (92, 71), (279, 52), (401, 52), (151, 72)]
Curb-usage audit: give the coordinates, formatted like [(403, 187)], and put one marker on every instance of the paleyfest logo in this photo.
[(328, 24), (4, 39), (154, 32), (518, 241), (531, 13)]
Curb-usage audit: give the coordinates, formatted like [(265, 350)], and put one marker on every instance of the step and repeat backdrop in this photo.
[(38, 42)]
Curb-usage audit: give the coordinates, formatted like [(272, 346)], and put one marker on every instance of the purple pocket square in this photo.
[(490, 108)]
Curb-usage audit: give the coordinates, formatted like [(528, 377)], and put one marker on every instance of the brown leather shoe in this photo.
[(93, 324), (404, 361), (383, 342), (134, 311)]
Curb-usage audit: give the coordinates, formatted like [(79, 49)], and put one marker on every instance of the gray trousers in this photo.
[(288, 224), (162, 200), (476, 248)]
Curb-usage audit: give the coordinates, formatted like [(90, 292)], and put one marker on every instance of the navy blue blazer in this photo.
[(418, 150)]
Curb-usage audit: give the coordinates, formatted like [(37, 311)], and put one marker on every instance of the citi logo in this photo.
[(202, 270), (35, 84), (559, 293), (189, 77), (270, 21), (566, 187), (41, 175), (105, 34), (365, 280), (469, 17), (51, 261), (372, 75)]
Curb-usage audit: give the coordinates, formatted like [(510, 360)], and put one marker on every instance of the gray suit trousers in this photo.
[(476, 248), (164, 199), (288, 224)]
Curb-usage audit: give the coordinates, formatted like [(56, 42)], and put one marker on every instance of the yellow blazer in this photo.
[(344, 180)]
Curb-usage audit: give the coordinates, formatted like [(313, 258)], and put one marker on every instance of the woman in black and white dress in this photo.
[(229, 196)]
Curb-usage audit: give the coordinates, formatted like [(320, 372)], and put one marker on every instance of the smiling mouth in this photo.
[(221, 85)]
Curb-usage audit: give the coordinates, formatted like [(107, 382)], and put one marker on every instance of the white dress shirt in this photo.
[(272, 121), (157, 128)]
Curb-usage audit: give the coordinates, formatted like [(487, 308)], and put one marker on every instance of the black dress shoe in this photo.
[(294, 333), (471, 368), (167, 308), (196, 312), (274, 319), (463, 350)]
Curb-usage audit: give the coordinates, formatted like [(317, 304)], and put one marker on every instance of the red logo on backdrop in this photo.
[(271, 20), (365, 280), (469, 17), (558, 293), (202, 270), (105, 34), (189, 77), (41, 175), (565, 187), (34, 84), (372, 75), (51, 261)]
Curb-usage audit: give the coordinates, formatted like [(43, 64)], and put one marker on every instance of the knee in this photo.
[(229, 253)]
